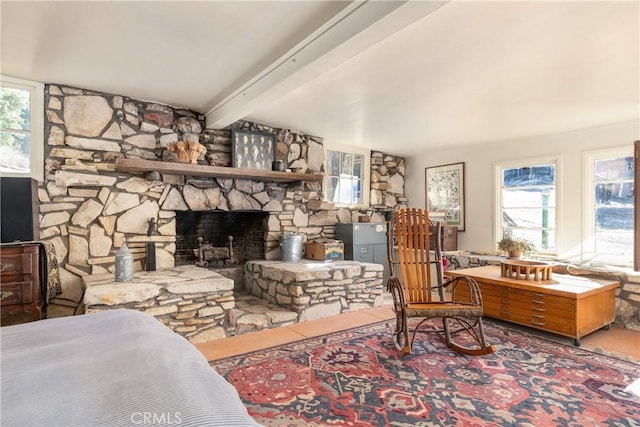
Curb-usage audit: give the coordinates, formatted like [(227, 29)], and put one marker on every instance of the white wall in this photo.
[(479, 168)]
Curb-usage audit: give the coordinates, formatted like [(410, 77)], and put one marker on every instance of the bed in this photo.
[(115, 368)]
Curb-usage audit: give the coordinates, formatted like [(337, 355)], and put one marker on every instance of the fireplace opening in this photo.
[(222, 239)]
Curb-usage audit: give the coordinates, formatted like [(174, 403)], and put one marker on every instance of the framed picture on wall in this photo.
[(252, 150), (445, 192)]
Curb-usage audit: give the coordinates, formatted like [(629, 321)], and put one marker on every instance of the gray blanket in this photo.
[(116, 368)]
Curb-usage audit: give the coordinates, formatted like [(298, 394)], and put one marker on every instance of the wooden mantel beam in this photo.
[(171, 168)]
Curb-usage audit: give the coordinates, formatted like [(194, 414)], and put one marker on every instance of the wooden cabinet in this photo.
[(572, 306), (20, 283), (450, 238)]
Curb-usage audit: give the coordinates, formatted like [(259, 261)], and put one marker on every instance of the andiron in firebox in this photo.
[(207, 254)]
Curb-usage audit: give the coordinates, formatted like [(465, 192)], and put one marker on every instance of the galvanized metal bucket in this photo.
[(291, 247)]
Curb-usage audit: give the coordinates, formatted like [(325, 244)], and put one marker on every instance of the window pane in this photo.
[(614, 218), (530, 217), (333, 163), (15, 108), (358, 165), (528, 204), (531, 197), (612, 243), (344, 190), (615, 169), (347, 164), (620, 193), (536, 175), (356, 196), (541, 239), (332, 187), (349, 177), (15, 149)]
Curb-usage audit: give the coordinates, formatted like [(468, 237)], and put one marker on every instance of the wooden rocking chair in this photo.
[(419, 295)]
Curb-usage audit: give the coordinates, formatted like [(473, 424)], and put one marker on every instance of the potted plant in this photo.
[(515, 247)]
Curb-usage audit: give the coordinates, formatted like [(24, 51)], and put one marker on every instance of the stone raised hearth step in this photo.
[(191, 301), (316, 289), (202, 305), (254, 314)]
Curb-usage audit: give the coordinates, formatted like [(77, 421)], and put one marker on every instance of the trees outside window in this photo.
[(21, 128)]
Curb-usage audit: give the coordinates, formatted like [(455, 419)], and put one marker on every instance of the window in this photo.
[(21, 128), (527, 202), (347, 176), (608, 228)]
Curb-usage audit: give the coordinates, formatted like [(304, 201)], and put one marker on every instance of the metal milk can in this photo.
[(124, 264)]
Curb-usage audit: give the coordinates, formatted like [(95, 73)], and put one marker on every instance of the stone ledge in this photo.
[(191, 301), (309, 270), (119, 293)]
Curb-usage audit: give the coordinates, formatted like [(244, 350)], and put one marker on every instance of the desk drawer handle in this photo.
[(535, 301), (538, 309), (533, 322), (538, 294), (538, 316)]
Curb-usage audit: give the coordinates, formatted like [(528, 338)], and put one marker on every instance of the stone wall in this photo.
[(315, 290), (88, 209), (627, 295)]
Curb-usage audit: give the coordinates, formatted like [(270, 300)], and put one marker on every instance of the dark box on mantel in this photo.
[(324, 250)]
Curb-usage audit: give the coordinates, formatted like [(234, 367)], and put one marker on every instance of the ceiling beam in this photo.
[(344, 26)]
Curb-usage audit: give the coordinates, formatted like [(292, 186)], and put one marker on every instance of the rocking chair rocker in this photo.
[(409, 236)]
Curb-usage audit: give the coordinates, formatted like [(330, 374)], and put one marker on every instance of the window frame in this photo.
[(499, 167), (366, 187), (636, 203), (36, 158), (588, 246)]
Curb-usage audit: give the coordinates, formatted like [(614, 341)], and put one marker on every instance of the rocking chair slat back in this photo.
[(411, 234)]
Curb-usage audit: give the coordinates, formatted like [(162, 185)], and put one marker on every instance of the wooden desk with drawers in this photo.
[(573, 306)]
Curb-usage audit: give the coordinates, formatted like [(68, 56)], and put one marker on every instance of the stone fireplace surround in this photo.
[(88, 208)]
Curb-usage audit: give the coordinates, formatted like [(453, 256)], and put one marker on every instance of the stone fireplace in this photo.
[(89, 207)]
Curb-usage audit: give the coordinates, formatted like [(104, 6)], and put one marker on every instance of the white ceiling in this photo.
[(400, 77)]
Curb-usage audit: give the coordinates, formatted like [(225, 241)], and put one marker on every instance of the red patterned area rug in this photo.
[(355, 378)]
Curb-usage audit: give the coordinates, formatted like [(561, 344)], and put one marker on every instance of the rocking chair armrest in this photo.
[(475, 296)]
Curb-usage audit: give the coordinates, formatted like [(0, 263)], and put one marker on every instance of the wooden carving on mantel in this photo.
[(187, 152)]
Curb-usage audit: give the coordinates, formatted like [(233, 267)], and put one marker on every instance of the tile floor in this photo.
[(621, 342)]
